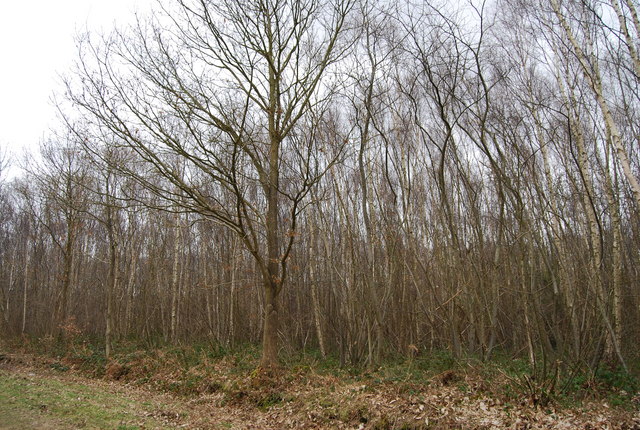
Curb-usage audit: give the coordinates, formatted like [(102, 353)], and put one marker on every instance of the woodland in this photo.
[(363, 179)]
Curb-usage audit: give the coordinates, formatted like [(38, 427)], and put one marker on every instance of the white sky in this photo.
[(36, 46)]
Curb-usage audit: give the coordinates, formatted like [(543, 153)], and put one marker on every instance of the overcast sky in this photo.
[(36, 46)]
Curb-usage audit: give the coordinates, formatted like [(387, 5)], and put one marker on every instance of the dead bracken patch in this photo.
[(448, 377), (116, 371)]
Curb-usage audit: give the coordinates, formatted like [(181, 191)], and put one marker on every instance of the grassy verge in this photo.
[(30, 401)]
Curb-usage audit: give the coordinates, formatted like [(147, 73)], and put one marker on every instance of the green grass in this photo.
[(32, 402)]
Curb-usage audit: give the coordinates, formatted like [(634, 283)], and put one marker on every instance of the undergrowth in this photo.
[(209, 368)]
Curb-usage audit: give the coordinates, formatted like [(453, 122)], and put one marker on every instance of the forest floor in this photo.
[(168, 390)]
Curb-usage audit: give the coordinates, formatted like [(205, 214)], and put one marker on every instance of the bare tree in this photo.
[(58, 201), (237, 92), (6, 211)]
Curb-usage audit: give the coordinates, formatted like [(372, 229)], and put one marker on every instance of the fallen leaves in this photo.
[(308, 400)]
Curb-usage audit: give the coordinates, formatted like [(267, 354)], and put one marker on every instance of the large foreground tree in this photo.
[(228, 106)]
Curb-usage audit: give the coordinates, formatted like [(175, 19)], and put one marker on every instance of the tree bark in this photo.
[(177, 245), (269, 358)]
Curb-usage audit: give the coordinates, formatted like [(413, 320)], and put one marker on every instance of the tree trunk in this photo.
[(317, 318), (111, 288), (271, 270), (270, 333), (25, 284), (111, 282), (129, 291), (66, 279), (174, 280), (591, 72), (611, 193), (232, 295)]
